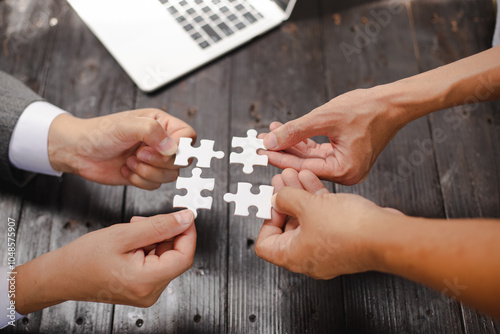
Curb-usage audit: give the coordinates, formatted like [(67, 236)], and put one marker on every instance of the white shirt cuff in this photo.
[(8, 313), (29, 142)]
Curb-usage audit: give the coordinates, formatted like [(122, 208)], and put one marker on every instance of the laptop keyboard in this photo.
[(210, 21)]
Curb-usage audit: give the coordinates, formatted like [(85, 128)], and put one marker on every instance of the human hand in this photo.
[(127, 264), (317, 233), (359, 125), (130, 148)]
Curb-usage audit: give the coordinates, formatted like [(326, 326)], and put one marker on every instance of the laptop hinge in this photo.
[(289, 9)]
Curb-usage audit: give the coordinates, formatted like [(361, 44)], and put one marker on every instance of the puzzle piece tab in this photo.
[(204, 153), (249, 156), (244, 198), (193, 199)]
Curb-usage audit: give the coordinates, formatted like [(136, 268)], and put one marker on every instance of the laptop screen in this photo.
[(282, 3)]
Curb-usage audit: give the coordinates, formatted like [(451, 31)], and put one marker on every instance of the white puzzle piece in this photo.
[(249, 156), (204, 153), (244, 198), (193, 199)]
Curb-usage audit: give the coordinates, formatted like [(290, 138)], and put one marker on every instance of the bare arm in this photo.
[(326, 235), (361, 123)]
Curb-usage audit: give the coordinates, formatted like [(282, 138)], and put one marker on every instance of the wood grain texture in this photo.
[(26, 55), (55, 212), (196, 301), (376, 302), (279, 76), (81, 71), (467, 158), (263, 298)]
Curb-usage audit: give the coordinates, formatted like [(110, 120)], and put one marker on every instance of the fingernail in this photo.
[(144, 155), (273, 201), (270, 141), (168, 147), (132, 163), (184, 217)]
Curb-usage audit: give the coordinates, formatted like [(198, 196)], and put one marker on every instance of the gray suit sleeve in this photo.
[(14, 98)]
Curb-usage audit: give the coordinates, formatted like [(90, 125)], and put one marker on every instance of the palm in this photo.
[(322, 159)]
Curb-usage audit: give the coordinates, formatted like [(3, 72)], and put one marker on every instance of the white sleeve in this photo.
[(8, 314), (29, 142)]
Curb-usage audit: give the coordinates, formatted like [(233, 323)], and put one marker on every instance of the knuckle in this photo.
[(141, 293), (291, 130), (151, 125), (159, 225), (259, 250), (172, 175)]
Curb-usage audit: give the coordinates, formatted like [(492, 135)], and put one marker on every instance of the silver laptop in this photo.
[(158, 41)]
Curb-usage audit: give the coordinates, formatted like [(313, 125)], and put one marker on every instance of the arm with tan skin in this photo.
[(458, 257), (128, 148), (111, 265), (361, 123)]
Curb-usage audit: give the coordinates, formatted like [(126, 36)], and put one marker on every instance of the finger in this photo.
[(151, 132), (312, 183), (277, 182), (292, 201), (151, 173), (291, 224), (324, 168), (155, 229), (291, 178), (165, 246), (291, 133), (394, 211), (136, 219), (138, 181), (174, 126), (180, 259), (272, 244), (147, 249), (151, 157), (275, 125)]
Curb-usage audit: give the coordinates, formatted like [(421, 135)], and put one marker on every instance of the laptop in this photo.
[(158, 41)]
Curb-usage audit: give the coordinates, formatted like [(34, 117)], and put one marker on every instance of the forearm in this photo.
[(37, 284), (460, 258), (470, 80)]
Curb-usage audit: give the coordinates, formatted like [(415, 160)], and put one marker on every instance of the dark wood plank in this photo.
[(10, 197), (85, 80), (76, 71), (468, 159), (376, 302), (26, 55), (196, 301), (277, 77)]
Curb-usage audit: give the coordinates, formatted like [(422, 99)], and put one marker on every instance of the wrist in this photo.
[(63, 141), (36, 285), (391, 243), (411, 98)]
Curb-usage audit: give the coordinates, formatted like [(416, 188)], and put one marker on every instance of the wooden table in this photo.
[(279, 76)]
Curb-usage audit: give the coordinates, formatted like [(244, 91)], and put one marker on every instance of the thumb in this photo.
[(291, 133), (150, 131), (155, 229), (292, 202)]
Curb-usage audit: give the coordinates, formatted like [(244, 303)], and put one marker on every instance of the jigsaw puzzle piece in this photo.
[(244, 198), (194, 186), (249, 157), (204, 153)]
